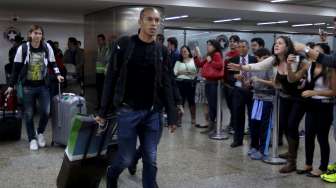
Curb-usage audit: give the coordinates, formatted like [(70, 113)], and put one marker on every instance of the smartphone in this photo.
[(297, 58), (296, 64)]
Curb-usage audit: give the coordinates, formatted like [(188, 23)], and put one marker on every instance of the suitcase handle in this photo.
[(69, 94), (102, 142), (59, 89)]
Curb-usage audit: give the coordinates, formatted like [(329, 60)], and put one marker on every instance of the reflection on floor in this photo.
[(186, 159)]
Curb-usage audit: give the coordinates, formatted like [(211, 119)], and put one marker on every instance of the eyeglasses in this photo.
[(151, 19)]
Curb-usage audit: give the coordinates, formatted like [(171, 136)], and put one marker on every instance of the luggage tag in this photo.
[(255, 109)]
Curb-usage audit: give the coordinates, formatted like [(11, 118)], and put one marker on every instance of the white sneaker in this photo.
[(41, 141), (33, 145)]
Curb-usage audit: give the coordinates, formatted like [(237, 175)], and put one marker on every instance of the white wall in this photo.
[(53, 31)]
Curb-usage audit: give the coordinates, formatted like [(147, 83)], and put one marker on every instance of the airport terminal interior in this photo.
[(190, 157)]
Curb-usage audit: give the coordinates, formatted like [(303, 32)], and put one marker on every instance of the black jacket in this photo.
[(115, 81), (231, 80)]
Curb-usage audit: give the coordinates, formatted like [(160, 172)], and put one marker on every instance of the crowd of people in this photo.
[(140, 81)]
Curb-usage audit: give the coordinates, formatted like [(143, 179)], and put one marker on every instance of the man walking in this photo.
[(139, 84)]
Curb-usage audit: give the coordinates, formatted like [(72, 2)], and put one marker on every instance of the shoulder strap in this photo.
[(24, 51), (46, 50), (313, 78)]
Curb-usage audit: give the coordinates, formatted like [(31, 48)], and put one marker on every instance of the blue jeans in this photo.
[(131, 124), (138, 153), (31, 94)]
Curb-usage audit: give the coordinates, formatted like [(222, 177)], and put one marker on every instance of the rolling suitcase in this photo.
[(10, 126), (87, 157), (9, 103), (65, 107)]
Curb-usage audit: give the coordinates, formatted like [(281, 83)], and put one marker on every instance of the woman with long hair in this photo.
[(213, 71), (320, 90), (186, 72), (292, 106)]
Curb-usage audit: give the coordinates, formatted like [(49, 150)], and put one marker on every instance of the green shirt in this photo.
[(36, 67)]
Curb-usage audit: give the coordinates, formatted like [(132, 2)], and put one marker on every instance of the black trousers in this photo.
[(291, 112), (259, 128), (187, 90), (211, 95), (319, 118), (100, 78), (241, 98)]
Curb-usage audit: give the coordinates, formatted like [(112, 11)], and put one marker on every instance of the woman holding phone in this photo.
[(292, 106)]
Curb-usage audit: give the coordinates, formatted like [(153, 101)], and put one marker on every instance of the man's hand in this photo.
[(100, 120), (238, 77), (60, 79), (234, 67), (308, 93), (172, 128), (9, 91), (209, 59)]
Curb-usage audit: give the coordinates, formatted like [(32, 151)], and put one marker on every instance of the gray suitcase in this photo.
[(65, 107)]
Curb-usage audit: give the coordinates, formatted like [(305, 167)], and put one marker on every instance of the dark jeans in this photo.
[(241, 98), (134, 123), (211, 95), (318, 121), (259, 127), (31, 94), (187, 90), (100, 78), (291, 112), (138, 153)]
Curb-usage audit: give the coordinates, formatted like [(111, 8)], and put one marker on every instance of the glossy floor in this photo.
[(186, 159)]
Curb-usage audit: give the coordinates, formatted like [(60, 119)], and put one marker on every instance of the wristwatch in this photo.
[(306, 49)]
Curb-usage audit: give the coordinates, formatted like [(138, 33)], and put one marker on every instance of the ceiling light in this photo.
[(176, 17), (330, 27), (278, 1), (266, 23), (271, 23), (302, 25), (319, 23), (196, 34), (227, 20)]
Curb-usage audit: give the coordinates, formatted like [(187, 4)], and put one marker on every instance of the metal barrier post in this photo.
[(219, 133), (274, 158)]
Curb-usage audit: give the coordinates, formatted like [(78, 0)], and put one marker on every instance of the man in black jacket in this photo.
[(242, 95), (138, 84)]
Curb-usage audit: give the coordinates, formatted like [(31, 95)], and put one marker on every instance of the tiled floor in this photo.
[(186, 159)]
